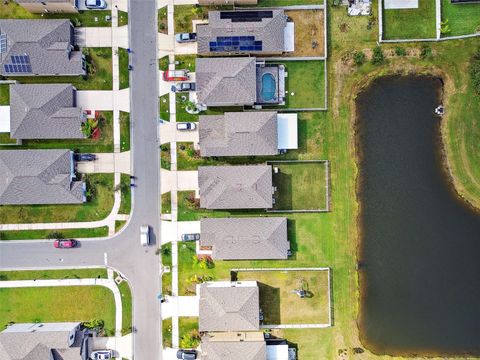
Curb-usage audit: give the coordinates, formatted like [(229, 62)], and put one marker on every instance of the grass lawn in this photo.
[(410, 23), (4, 94), (123, 65), (46, 234), (127, 311), (184, 14), (103, 144), (182, 115), (268, 3), (167, 203), (5, 139), (308, 342), (189, 159), (122, 18), (166, 253), (53, 274), (126, 203), (463, 19), (188, 332), (124, 131), (305, 96), (167, 333), (277, 298), (162, 20), (99, 78), (165, 162), (54, 304), (98, 208), (186, 62), (300, 186), (164, 106), (163, 63), (119, 224)]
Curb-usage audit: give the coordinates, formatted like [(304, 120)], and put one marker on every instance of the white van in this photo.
[(144, 235)]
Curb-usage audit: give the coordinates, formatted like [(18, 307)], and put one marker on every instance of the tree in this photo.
[(377, 58), (359, 58)]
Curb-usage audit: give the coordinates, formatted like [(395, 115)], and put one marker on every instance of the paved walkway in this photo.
[(108, 283)]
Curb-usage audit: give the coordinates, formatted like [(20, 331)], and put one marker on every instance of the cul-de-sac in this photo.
[(239, 179)]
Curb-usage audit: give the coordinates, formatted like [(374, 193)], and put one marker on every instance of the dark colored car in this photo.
[(186, 354), (65, 243), (185, 86), (185, 37), (84, 157), (190, 237)]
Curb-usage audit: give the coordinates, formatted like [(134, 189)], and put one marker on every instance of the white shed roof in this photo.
[(277, 352), (289, 36), (401, 4), (5, 119), (287, 131)]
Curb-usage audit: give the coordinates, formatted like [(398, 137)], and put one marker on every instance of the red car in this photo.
[(175, 75), (67, 243)]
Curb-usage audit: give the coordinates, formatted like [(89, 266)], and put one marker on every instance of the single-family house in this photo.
[(229, 306), (39, 47), (43, 341), (249, 238), (39, 177), (236, 187), (45, 111), (239, 81), (227, 2), (213, 349), (49, 6), (259, 31)]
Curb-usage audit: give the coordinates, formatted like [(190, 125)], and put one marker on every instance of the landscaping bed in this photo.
[(410, 23), (53, 234), (463, 19)]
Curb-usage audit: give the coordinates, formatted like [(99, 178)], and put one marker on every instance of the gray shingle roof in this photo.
[(270, 30), (229, 308), (235, 187), (233, 350), (245, 238), (226, 81), (48, 43), (44, 111), (37, 345), (239, 134), (38, 177)]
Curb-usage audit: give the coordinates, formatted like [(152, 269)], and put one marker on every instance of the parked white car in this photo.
[(101, 355), (95, 4), (145, 235), (186, 126)]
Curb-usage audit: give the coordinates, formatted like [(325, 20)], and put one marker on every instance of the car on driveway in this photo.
[(95, 4), (175, 75), (185, 86), (65, 243), (101, 355), (183, 126), (185, 354), (190, 237), (185, 37), (84, 157)]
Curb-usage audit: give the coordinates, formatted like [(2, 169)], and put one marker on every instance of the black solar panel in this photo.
[(20, 64), (235, 44), (246, 16)]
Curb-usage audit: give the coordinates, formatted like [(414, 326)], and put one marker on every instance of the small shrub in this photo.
[(190, 340), (400, 51), (103, 53), (191, 152), (377, 58), (444, 27), (426, 52), (359, 58), (94, 324)]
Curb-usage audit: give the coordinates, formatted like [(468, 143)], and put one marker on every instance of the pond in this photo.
[(419, 254)]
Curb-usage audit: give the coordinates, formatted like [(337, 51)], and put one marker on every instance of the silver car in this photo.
[(101, 355)]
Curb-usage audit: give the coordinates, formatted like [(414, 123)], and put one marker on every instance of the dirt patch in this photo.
[(309, 32)]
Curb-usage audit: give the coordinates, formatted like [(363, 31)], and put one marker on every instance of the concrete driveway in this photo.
[(104, 100), (180, 306), (121, 345), (186, 48), (174, 230), (106, 163), (178, 180), (101, 37), (169, 133)]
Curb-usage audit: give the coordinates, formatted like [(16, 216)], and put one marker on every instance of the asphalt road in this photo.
[(123, 252)]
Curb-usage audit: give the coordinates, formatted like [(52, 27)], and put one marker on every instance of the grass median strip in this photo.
[(54, 274), (126, 195), (127, 311), (52, 234), (124, 131)]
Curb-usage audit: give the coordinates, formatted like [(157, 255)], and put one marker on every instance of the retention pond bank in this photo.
[(419, 257)]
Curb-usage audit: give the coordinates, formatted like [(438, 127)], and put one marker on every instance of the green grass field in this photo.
[(410, 23), (57, 304), (53, 274), (45, 234), (4, 94), (122, 18), (126, 194), (167, 203), (185, 62), (123, 65), (167, 333), (127, 310), (124, 131), (463, 19), (164, 106)]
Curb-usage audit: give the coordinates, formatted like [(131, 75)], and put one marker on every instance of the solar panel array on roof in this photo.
[(246, 16), (3, 43), (235, 43), (20, 64)]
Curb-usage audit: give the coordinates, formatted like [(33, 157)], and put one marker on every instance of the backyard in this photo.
[(97, 207), (277, 296), (309, 32), (462, 19), (410, 23), (54, 304), (300, 185)]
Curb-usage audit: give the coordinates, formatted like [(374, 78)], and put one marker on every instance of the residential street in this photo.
[(123, 252)]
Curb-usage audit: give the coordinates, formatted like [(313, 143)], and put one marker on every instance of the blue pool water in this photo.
[(268, 87)]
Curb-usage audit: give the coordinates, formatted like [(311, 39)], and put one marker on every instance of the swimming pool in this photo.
[(269, 86)]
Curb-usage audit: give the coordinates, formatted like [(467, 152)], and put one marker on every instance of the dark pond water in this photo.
[(419, 259)]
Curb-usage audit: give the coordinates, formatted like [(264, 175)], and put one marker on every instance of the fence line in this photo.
[(284, 269), (296, 326), (327, 184)]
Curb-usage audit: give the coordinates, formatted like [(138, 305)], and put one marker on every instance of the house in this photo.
[(235, 187), (238, 134), (231, 348), (43, 341), (39, 48), (229, 306), (39, 177), (45, 111), (49, 6), (250, 238), (239, 81), (259, 31), (226, 2)]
